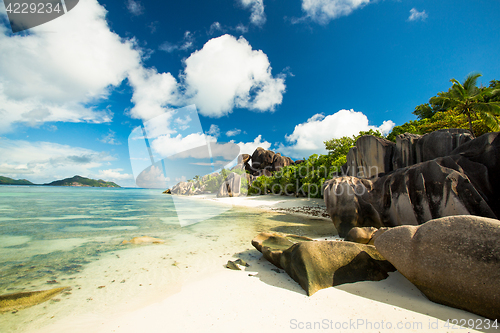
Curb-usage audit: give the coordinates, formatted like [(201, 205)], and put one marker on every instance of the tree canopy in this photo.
[(479, 105)]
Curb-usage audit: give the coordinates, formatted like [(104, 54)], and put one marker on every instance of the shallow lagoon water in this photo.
[(67, 236)]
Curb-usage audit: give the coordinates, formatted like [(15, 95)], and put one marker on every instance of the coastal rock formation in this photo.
[(262, 159), (321, 264), (361, 235), (412, 149), (235, 185), (405, 152), (464, 183), (231, 187), (347, 201), (244, 158), (18, 301), (365, 235), (280, 161), (480, 160), (144, 240), (182, 188), (273, 245), (370, 157), (243, 163), (264, 162), (190, 188), (373, 157), (408, 196), (453, 260)]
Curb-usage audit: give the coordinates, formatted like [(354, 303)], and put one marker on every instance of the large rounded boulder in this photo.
[(321, 264), (347, 203), (453, 260), (262, 158)]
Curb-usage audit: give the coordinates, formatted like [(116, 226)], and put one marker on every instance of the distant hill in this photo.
[(10, 181), (82, 181)]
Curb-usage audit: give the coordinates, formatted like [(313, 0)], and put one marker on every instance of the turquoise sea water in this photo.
[(72, 237), (49, 232)]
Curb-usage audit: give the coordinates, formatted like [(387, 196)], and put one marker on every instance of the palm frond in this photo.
[(490, 121), (470, 83), (491, 107), (444, 101), (483, 93), (457, 91)]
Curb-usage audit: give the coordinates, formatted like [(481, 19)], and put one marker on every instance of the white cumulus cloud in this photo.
[(168, 145), (53, 73), (226, 73), (415, 15), (258, 17), (249, 147), (153, 93), (307, 138), (64, 68), (323, 11), (114, 175)]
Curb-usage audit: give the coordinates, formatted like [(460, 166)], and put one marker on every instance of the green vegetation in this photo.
[(307, 178), (463, 106), (469, 100), (82, 181), (10, 181)]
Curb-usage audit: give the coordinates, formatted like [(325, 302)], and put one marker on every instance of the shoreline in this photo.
[(299, 206), (262, 297)]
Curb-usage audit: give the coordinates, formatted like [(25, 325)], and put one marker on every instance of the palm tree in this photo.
[(469, 100)]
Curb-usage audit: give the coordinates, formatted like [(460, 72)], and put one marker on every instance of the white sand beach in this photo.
[(262, 298)]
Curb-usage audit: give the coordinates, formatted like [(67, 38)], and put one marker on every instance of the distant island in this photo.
[(10, 181), (78, 181), (82, 181)]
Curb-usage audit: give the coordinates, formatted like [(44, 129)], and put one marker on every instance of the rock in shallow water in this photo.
[(321, 264), (453, 260), (22, 300)]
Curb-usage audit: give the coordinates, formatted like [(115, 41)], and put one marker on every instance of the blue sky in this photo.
[(284, 75)]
